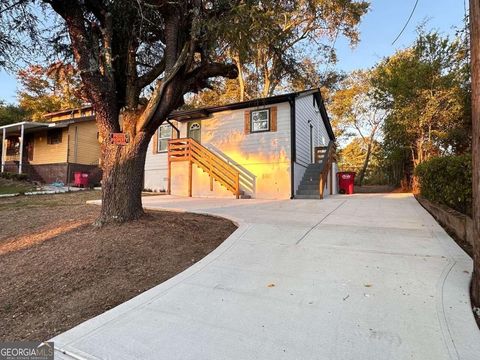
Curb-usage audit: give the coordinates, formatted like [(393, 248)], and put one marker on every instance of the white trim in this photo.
[(3, 149), (22, 133), (268, 111), (26, 124), (159, 139)]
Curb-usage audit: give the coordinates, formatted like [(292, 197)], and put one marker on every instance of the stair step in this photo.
[(308, 192), (309, 177), (310, 186), (308, 197)]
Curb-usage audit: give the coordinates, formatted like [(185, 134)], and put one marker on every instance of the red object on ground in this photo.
[(81, 179), (345, 182)]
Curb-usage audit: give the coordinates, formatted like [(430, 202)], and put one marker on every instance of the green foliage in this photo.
[(14, 176), (47, 89), (426, 86), (279, 46), (448, 181), (352, 158), (18, 31), (10, 114)]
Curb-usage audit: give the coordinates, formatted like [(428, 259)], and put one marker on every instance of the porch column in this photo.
[(20, 163), (3, 149)]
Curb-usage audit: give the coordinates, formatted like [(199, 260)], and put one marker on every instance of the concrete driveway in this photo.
[(350, 277)]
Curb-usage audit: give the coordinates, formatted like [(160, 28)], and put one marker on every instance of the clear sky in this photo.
[(384, 22), (378, 29)]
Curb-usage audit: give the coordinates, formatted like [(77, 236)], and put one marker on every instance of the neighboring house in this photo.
[(274, 148), (52, 151)]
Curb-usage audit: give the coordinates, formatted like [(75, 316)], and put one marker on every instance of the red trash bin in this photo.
[(345, 182), (80, 179)]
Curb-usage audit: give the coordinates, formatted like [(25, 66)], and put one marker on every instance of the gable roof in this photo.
[(185, 115)]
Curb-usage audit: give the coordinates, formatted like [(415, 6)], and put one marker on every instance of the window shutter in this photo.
[(247, 122), (273, 118), (155, 143)]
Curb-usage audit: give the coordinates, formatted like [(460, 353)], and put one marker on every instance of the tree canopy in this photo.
[(417, 102), (288, 41), (356, 113), (10, 114), (48, 89), (427, 88)]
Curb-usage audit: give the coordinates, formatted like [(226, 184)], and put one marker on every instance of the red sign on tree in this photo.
[(119, 138)]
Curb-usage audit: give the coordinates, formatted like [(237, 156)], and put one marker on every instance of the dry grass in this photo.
[(57, 270)]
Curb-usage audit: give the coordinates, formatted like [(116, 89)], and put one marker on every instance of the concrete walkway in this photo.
[(357, 277)]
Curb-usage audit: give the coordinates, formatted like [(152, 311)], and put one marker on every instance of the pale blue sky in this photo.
[(378, 29)]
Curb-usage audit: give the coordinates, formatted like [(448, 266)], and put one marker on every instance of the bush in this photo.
[(21, 177), (448, 181), (14, 176)]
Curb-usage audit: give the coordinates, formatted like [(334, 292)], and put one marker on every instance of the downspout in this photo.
[(293, 149), (176, 129)]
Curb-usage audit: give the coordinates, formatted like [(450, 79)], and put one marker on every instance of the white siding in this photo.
[(264, 155), (155, 170)]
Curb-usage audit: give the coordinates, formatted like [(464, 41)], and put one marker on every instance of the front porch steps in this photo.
[(309, 187)]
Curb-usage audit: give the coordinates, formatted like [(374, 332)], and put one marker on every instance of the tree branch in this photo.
[(156, 98), (152, 74), (196, 79)]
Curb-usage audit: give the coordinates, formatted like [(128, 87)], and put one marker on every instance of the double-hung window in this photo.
[(164, 134), (260, 120)]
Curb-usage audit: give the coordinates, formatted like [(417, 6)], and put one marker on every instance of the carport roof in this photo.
[(28, 125)]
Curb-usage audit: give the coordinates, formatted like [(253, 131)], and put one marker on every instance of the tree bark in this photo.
[(122, 184), (123, 170), (475, 67)]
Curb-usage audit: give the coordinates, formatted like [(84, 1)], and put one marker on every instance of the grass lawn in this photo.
[(12, 187), (57, 270)]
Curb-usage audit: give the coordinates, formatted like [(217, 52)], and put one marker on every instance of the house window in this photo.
[(54, 136), (13, 147), (260, 120), (194, 131), (164, 134)]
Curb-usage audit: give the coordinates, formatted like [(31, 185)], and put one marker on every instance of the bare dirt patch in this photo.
[(57, 270)]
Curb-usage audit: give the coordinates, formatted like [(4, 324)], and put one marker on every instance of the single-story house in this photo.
[(279, 147), (53, 150)]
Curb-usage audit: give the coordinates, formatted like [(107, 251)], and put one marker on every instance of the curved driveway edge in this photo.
[(357, 277)]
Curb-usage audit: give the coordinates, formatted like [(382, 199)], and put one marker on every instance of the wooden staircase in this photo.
[(187, 149), (316, 175)]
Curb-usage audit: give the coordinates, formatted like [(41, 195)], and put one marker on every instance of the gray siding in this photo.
[(306, 110)]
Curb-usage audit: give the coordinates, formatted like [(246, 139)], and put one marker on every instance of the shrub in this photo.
[(448, 181), (14, 176), (21, 177)]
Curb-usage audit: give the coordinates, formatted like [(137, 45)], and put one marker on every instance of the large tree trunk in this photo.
[(123, 172), (475, 63), (122, 183)]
